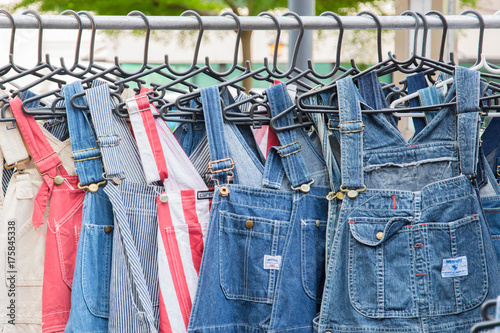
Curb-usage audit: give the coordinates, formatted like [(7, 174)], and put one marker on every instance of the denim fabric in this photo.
[(90, 289), (415, 83), (489, 190), (412, 252), (263, 262), (134, 294)]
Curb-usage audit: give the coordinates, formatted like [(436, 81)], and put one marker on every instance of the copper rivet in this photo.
[(249, 224), (108, 229), (379, 235)]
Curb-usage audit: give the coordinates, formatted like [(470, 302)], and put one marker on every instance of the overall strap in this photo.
[(106, 127), (324, 135), (467, 84), (147, 138), (46, 160), (351, 138), (98, 99), (288, 154), (415, 83), (86, 153), (221, 165)]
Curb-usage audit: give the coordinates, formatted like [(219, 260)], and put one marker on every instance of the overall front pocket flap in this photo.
[(373, 231)]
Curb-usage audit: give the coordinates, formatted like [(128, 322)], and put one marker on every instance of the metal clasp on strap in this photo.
[(498, 170), (351, 122), (20, 165), (94, 187), (283, 148), (223, 190), (115, 179), (305, 188), (352, 194)]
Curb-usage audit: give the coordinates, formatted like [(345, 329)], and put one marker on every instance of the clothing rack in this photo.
[(247, 22)]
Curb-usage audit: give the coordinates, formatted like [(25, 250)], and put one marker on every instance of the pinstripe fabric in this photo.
[(134, 275)]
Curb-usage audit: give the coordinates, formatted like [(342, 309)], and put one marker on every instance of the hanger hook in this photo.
[(415, 39), (443, 34), (338, 52), (236, 48), (481, 33), (379, 31), (40, 31), (276, 44), (92, 40), (78, 42), (12, 36), (146, 45), (279, 74), (424, 34), (197, 46)]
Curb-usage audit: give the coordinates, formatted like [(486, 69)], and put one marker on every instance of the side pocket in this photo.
[(96, 267), (312, 243), (250, 253), (492, 214), (184, 250)]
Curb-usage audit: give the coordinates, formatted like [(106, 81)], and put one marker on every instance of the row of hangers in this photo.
[(187, 108)]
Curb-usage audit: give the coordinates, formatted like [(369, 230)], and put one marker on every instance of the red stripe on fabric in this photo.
[(153, 137), (174, 260), (164, 326), (272, 139), (195, 232)]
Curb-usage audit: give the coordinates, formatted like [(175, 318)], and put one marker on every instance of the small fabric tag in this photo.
[(454, 267), (24, 187), (205, 195), (272, 262)]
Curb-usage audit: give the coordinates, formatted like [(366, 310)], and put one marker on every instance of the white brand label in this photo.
[(272, 262), (454, 267)]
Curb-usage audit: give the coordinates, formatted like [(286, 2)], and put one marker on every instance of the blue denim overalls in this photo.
[(412, 252), (263, 262), (90, 291)]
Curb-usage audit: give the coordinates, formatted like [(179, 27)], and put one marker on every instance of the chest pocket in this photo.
[(398, 269)]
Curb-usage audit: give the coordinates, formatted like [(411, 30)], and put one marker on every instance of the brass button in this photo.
[(163, 197), (379, 235), (93, 188), (58, 180), (340, 195), (352, 194), (108, 229), (117, 180), (249, 224)]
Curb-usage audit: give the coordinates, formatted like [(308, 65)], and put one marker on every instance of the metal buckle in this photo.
[(351, 122), (288, 145), (223, 170), (352, 194), (305, 188), (94, 187), (15, 165), (498, 170)]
